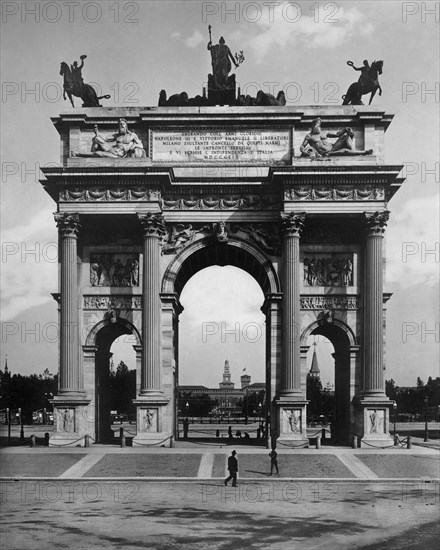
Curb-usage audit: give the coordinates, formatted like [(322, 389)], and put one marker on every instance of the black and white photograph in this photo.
[(220, 275)]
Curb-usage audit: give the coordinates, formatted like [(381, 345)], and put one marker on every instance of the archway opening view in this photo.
[(220, 374), (320, 384), (335, 397), (115, 383)]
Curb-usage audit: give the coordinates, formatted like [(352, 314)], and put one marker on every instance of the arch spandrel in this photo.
[(204, 253)]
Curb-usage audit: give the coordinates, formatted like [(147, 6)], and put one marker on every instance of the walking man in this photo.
[(233, 469), (273, 461)]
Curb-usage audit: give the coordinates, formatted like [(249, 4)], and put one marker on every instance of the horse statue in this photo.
[(74, 86), (367, 83)]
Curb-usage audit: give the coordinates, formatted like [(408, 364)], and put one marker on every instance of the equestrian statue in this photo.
[(74, 85), (368, 83)]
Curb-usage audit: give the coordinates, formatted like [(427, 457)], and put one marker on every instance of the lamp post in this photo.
[(425, 401), (394, 416), (187, 408), (22, 427)]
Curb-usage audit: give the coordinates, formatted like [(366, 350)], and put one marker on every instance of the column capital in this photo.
[(292, 224), (376, 223), (152, 223), (68, 224)]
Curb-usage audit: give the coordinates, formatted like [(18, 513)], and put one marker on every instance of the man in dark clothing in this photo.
[(233, 469), (273, 461)]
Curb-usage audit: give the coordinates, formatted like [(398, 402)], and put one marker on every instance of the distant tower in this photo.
[(226, 384), (314, 370), (6, 364), (245, 381)]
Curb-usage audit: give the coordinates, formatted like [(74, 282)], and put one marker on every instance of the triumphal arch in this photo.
[(296, 196)]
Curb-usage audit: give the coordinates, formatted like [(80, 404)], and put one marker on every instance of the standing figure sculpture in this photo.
[(315, 143), (73, 85), (368, 83), (221, 57)]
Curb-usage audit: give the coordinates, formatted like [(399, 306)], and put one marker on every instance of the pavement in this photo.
[(104, 496), (210, 463)]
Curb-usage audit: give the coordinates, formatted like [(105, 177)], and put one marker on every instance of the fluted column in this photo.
[(373, 367), (153, 227), (71, 376), (292, 225)]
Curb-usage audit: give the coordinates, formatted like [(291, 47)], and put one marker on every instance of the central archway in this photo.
[(206, 253)]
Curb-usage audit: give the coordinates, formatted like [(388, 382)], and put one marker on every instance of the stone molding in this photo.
[(68, 224), (335, 193), (330, 302), (216, 202), (105, 194), (112, 302)]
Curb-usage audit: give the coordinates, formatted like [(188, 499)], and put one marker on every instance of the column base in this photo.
[(73, 420), (150, 430), (373, 421), (291, 422)]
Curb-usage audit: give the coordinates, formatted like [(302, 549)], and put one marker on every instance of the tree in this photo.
[(122, 389), (314, 395)]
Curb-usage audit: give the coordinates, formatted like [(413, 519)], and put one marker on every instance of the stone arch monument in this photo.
[(146, 197)]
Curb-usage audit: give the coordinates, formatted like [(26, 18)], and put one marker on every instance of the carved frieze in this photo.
[(107, 269), (214, 202), (178, 235), (105, 194), (335, 193), (109, 303), (328, 270), (330, 302), (263, 235)]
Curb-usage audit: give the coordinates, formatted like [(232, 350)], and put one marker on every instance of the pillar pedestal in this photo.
[(292, 423), (71, 421), (373, 422)]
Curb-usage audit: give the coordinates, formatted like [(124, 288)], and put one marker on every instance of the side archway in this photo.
[(97, 355), (346, 368)]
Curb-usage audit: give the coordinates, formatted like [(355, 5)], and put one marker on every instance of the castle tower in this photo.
[(226, 384)]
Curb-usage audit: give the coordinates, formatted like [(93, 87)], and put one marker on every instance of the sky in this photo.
[(137, 48)]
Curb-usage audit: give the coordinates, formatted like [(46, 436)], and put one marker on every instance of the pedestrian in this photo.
[(233, 469), (273, 461), (230, 432), (185, 428)]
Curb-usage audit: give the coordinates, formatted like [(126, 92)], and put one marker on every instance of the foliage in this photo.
[(122, 389), (411, 400), (29, 393)]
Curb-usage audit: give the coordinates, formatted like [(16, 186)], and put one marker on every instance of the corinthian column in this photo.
[(291, 227), (373, 368), (71, 376), (153, 227)]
